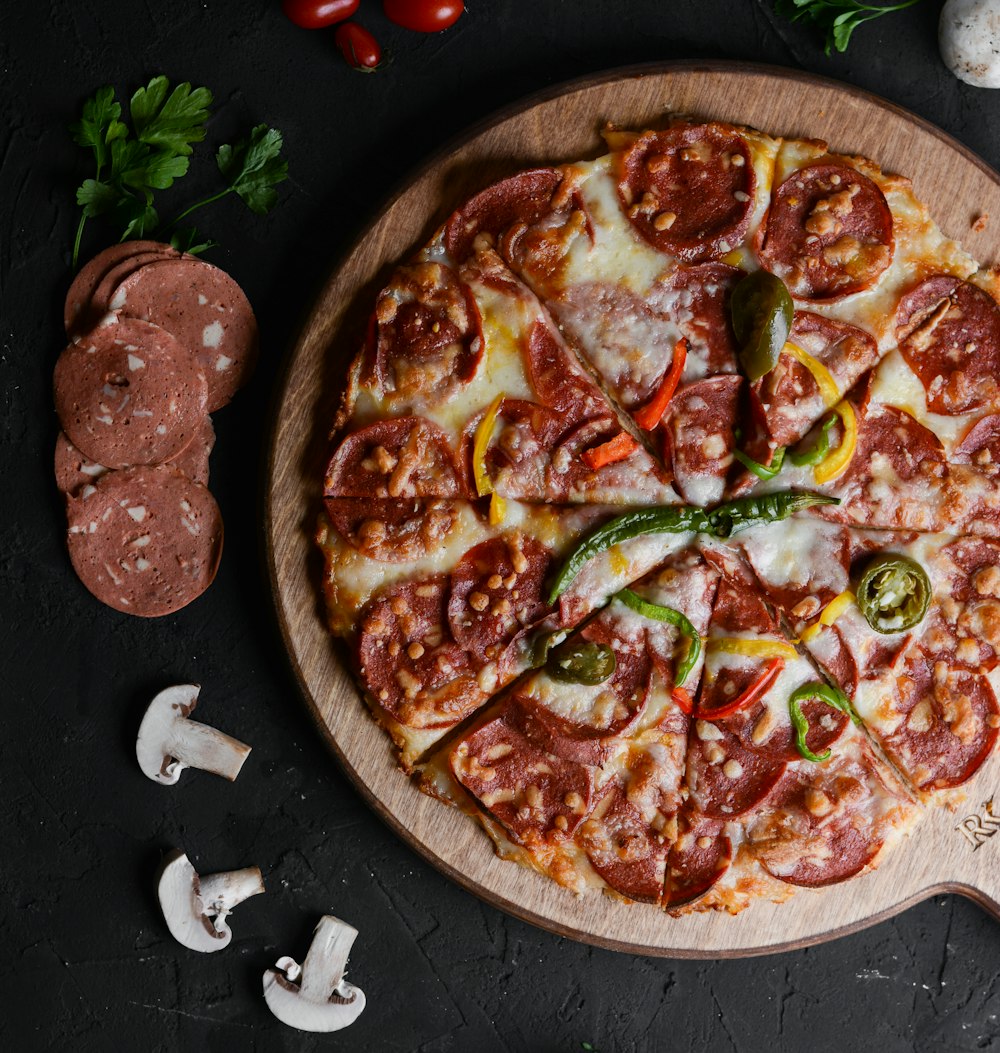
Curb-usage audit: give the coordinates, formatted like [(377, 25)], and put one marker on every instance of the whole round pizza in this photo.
[(662, 518)]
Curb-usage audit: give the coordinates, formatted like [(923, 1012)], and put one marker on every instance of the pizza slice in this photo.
[(465, 387), (906, 625)]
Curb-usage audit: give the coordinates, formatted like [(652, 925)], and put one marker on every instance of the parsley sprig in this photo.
[(130, 165), (838, 17)]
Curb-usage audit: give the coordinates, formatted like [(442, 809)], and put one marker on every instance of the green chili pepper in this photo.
[(761, 310), (581, 662), (816, 453), (832, 696), (762, 471), (746, 512), (542, 644), (670, 519), (893, 593), (660, 613)]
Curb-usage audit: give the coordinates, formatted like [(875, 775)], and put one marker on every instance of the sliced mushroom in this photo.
[(969, 38), (315, 996), (196, 908), (169, 742)]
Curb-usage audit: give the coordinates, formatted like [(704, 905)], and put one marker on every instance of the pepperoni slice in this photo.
[(981, 444), (689, 191), (538, 797), (790, 397), (699, 438), (724, 777), (426, 338), (518, 460), (583, 721), (404, 457), (949, 332), (828, 232), (146, 540), (408, 663), (569, 475), (127, 393), (698, 302), (697, 859), (810, 834), (392, 530), (977, 562), (496, 591), (521, 200), (78, 316), (625, 849), (950, 720), (557, 380)]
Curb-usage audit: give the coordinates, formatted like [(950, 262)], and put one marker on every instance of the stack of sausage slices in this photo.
[(663, 516), (158, 341)]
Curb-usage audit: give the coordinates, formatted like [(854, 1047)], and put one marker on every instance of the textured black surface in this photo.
[(86, 961)]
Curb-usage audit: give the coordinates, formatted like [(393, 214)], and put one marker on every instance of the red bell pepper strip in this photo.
[(759, 687), (652, 413), (616, 449)]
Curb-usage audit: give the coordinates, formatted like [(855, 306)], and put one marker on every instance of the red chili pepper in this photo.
[(685, 703), (317, 14), (759, 687), (652, 413), (616, 449), (358, 47)]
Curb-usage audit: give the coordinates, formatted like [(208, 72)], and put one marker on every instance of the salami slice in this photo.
[(949, 721), (569, 474), (127, 393), (425, 341), (558, 381), (521, 200), (689, 191), (725, 778), (698, 858), (205, 310), (625, 849), (496, 591), (538, 797), (981, 444), (699, 439), (73, 470), (79, 315), (697, 299), (518, 460), (392, 530), (949, 332), (145, 541), (815, 831), (407, 661), (403, 457), (582, 722), (828, 232), (789, 394)]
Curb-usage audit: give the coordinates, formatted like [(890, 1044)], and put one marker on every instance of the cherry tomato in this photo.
[(425, 16), (318, 14), (358, 46)]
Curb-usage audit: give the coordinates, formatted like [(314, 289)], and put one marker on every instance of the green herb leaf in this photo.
[(96, 198), (839, 18), (171, 122), (190, 241), (253, 167), (136, 216)]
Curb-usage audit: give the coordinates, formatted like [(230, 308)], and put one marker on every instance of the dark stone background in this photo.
[(86, 962)]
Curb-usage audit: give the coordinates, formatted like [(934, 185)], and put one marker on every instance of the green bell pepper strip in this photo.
[(585, 662), (832, 696), (660, 613), (893, 593), (762, 471), (746, 512), (761, 310), (816, 453)]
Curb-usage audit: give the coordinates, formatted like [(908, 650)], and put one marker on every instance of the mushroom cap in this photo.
[(285, 1000), (170, 705), (179, 892), (969, 39)]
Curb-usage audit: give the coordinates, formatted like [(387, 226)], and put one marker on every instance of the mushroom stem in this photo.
[(326, 961), (194, 745), (220, 893)]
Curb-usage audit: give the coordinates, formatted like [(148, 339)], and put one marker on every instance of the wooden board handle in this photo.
[(974, 856)]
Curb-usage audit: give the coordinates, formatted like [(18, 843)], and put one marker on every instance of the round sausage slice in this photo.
[(392, 530), (127, 393), (205, 310), (146, 540)]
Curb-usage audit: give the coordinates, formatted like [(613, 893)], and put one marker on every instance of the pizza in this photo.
[(661, 518)]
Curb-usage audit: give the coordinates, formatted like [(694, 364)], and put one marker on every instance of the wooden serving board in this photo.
[(949, 851)]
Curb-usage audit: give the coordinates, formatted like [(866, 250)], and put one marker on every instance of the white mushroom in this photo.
[(169, 742), (315, 996), (969, 38), (196, 908)]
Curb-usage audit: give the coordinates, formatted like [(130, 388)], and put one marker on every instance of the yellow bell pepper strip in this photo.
[(836, 461), (484, 432), (617, 449), (824, 380), (759, 687), (498, 509), (652, 413), (752, 648), (830, 613)]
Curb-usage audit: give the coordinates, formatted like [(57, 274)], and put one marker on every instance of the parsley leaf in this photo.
[(254, 166), (838, 17), (171, 122), (188, 240)]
